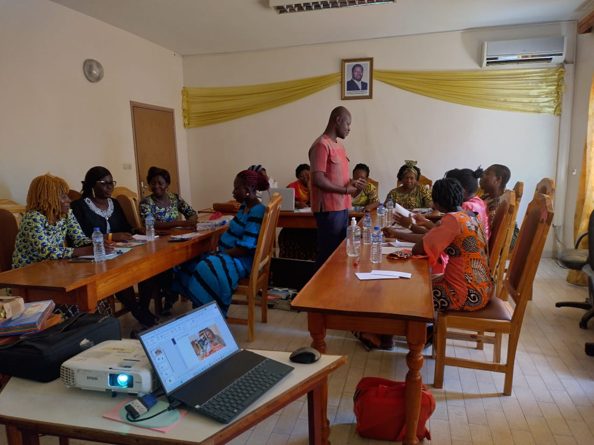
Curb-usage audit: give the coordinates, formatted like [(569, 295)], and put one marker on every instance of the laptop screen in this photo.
[(182, 348)]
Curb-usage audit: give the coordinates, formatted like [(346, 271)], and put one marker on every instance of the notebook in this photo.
[(197, 361), (288, 195)]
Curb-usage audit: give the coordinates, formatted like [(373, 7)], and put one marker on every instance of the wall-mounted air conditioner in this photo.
[(525, 51)]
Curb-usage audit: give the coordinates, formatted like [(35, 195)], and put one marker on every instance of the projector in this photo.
[(113, 365)]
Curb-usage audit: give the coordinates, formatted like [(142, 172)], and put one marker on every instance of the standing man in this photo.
[(331, 185), (356, 82)]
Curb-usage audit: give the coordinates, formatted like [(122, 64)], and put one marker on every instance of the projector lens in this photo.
[(121, 380)]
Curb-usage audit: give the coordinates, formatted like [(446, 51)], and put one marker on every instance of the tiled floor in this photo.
[(553, 393)]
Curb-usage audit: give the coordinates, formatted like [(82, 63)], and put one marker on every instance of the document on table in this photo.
[(402, 244), (382, 275), (140, 237), (109, 256)]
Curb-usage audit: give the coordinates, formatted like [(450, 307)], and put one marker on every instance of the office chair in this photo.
[(579, 259)]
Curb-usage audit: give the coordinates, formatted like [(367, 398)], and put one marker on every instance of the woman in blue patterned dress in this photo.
[(47, 224), (215, 276), (166, 207)]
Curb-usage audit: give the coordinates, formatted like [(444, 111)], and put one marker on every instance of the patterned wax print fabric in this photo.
[(301, 192), (329, 157), (367, 196), (477, 206), (38, 240), (492, 202), (177, 206), (418, 198), (466, 284), (214, 277)]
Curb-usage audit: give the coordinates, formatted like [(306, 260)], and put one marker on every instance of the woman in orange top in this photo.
[(466, 283), (301, 186)]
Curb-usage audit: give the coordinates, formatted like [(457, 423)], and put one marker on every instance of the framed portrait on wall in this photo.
[(357, 78)]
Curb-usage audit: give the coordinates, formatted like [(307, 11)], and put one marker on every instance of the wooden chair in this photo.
[(503, 224), (546, 186), (130, 207), (500, 317), (374, 182), (8, 235), (124, 191), (423, 180), (74, 195), (258, 279)]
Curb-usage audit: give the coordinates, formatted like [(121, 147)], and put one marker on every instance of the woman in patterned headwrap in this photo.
[(466, 284), (215, 276), (410, 194)]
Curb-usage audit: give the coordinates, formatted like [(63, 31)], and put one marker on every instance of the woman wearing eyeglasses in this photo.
[(96, 208)]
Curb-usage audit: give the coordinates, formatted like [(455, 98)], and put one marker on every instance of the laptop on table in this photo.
[(199, 364)]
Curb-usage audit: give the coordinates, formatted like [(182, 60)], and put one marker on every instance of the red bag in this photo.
[(379, 408)]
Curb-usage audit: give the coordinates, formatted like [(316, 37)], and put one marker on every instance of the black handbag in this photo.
[(39, 356)]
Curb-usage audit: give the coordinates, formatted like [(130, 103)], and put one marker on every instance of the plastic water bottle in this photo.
[(367, 228), (353, 239), (376, 245), (149, 223), (389, 212), (98, 246), (381, 216)]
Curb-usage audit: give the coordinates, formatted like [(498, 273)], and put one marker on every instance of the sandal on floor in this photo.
[(369, 341)]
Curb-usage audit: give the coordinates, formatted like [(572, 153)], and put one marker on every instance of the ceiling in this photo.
[(220, 26)]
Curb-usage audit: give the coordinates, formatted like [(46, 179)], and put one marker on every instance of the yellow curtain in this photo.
[(206, 106), (585, 199), (529, 90)]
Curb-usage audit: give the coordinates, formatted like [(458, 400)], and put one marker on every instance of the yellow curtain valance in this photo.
[(527, 90), (206, 106)]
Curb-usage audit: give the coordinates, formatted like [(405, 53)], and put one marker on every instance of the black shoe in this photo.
[(145, 317), (166, 311)]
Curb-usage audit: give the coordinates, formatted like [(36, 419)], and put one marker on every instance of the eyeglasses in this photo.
[(111, 183)]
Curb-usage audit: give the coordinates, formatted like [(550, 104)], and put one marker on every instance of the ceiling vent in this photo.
[(286, 6), (549, 50)]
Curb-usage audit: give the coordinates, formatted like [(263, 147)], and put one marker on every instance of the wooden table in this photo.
[(30, 409), (85, 284), (336, 299)]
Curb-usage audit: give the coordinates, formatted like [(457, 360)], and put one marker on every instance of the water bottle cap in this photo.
[(375, 228), (96, 229)]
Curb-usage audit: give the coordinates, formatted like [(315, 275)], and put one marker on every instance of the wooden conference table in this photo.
[(336, 299), (29, 409), (87, 283)]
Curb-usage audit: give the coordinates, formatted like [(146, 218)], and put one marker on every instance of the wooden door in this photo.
[(154, 143)]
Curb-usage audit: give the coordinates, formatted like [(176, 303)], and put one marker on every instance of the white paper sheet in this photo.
[(109, 256), (391, 273), (388, 250), (402, 244), (140, 237), (401, 210), (363, 276)]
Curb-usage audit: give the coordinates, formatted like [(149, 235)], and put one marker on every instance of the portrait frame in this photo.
[(349, 88)]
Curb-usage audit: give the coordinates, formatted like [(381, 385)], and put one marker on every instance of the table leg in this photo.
[(317, 330), (30, 437), (415, 337), (319, 429), (13, 435)]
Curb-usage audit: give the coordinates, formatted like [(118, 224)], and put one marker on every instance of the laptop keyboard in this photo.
[(227, 404)]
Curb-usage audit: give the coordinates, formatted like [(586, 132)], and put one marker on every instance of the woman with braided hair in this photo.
[(466, 283), (214, 277)]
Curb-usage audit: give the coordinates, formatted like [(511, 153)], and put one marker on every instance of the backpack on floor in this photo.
[(380, 409)]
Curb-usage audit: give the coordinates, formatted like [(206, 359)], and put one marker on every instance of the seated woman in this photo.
[(367, 197), (493, 183), (466, 284), (468, 179), (301, 186), (214, 277), (166, 207), (410, 194), (95, 208), (48, 224)]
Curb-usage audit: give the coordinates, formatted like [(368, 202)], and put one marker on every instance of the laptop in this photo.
[(288, 195), (199, 364)]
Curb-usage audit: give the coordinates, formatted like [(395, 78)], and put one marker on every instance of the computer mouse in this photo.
[(306, 354)]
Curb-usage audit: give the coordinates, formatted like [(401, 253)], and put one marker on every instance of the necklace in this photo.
[(103, 213)]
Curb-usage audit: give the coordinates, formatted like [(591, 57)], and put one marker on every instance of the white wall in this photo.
[(584, 76), (52, 119), (395, 125)]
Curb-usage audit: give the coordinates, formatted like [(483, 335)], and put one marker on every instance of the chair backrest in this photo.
[(374, 182), (74, 195), (501, 224), (546, 186), (423, 180), (591, 241), (527, 252), (130, 207), (124, 191), (8, 234), (519, 191), (263, 255)]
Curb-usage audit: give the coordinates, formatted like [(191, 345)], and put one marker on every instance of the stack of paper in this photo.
[(30, 320), (382, 275)]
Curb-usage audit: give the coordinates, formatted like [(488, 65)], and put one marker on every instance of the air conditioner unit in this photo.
[(537, 50), (286, 6)]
